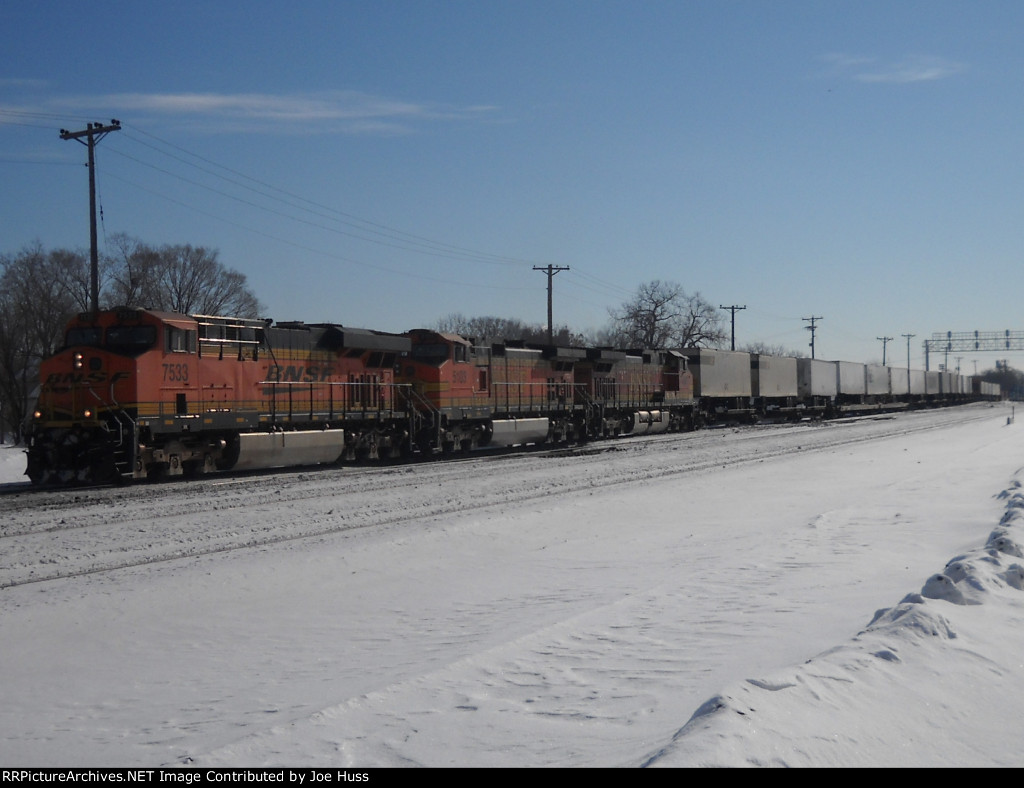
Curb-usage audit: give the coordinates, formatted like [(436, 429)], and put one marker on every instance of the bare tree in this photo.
[(39, 292), (488, 329), (662, 315), (180, 278), (764, 349), (135, 271)]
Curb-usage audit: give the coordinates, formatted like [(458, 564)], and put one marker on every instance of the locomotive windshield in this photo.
[(433, 353), (130, 340), (84, 336), (125, 340)]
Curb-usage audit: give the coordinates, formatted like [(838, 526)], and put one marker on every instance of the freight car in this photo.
[(137, 394)]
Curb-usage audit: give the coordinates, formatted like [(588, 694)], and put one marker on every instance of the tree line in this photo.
[(40, 290), (659, 314)]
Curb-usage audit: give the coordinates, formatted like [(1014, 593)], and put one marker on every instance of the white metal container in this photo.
[(773, 376), (850, 378), (719, 373), (815, 378), (878, 381)]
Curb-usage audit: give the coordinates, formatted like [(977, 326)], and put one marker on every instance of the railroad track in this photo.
[(69, 533)]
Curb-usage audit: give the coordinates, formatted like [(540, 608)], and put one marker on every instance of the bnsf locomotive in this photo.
[(137, 393)]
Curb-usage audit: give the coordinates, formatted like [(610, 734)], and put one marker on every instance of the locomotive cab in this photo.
[(84, 425), (451, 386)]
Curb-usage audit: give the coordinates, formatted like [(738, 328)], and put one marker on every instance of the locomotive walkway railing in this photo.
[(527, 397), (336, 400)]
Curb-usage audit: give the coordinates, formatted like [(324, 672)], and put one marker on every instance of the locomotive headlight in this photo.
[(77, 363), (38, 414), (87, 413)]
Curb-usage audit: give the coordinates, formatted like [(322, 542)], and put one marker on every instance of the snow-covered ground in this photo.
[(704, 599)]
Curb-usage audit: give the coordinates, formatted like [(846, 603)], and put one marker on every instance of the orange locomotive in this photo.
[(511, 393), (137, 393)]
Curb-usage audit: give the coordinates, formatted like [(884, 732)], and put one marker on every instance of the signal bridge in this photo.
[(973, 342)]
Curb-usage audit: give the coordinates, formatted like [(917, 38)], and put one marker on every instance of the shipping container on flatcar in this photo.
[(948, 386), (850, 382), (773, 384), (899, 382), (816, 382), (878, 382), (918, 386), (721, 382)]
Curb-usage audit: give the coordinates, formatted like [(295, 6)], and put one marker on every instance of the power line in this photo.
[(401, 238), (295, 245)]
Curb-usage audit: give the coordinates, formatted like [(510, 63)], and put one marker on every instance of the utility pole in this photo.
[(734, 310), (812, 320), (885, 341), (908, 337), (92, 134), (550, 270)]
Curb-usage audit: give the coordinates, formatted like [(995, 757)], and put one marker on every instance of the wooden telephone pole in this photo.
[(813, 319), (734, 309), (89, 136), (550, 270)]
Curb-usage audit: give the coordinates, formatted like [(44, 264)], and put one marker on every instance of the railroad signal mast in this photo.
[(89, 136)]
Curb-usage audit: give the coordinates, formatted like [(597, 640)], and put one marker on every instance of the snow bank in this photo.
[(916, 688), (12, 464)]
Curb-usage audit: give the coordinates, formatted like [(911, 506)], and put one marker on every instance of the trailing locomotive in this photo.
[(137, 394)]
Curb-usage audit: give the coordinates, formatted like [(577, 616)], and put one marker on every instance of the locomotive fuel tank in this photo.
[(518, 432)]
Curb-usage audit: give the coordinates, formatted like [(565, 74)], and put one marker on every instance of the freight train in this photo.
[(136, 394)]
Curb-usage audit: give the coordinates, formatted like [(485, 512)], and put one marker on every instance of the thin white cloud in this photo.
[(911, 69), (17, 82), (327, 111)]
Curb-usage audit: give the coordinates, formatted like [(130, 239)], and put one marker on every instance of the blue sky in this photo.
[(383, 164)]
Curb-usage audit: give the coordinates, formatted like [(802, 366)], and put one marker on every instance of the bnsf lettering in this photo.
[(299, 374), (82, 378)]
